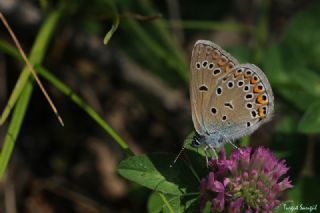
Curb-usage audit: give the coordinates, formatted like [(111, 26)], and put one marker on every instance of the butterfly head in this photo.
[(213, 140), (197, 140)]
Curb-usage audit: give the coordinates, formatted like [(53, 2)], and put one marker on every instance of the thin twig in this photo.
[(33, 72)]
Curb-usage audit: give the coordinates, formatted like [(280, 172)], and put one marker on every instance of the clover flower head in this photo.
[(250, 181)]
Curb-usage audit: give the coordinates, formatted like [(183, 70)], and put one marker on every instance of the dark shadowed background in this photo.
[(139, 85)]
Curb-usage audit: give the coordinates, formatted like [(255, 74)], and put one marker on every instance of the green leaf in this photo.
[(301, 37), (153, 171), (155, 203), (273, 66), (286, 125), (310, 122), (308, 80), (175, 203)]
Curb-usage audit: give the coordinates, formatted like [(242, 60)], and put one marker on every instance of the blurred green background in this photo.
[(131, 95)]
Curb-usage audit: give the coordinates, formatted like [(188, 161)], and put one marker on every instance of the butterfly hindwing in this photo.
[(246, 101)]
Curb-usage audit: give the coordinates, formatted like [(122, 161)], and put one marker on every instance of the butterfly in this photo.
[(229, 100)]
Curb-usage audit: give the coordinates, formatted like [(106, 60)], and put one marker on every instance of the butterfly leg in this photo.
[(207, 154), (214, 152), (235, 146)]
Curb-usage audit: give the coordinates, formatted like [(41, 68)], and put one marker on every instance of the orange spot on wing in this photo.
[(246, 75), (222, 61), (261, 112), (262, 99), (237, 73), (257, 89), (229, 67), (215, 54), (254, 80)]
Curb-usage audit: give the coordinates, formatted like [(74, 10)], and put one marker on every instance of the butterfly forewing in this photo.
[(209, 63)]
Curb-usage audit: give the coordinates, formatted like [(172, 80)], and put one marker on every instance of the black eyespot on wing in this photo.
[(224, 117), (203, 88), (249, 105), (253, 113), (248, 124), (213, 110), (216, 71), (211, 66), (248, 96), (229, 105), (198, 65), (219, 91), (240, 83), (230, 84), (204, 64)]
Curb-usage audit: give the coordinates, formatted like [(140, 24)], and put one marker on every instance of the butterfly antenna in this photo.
[(175, 160)]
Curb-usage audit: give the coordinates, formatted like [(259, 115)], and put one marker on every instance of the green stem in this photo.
[(77, 100), (23, 89)]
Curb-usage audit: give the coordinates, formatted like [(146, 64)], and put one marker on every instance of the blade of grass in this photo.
[(9, 49), (23, 78), (77, 100), (115, 21), (134, 27), (14, 127), (162, 32), (36, 56), (156, 38)]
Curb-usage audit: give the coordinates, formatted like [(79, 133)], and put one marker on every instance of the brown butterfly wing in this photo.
[(208, 64), (246, 102)]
